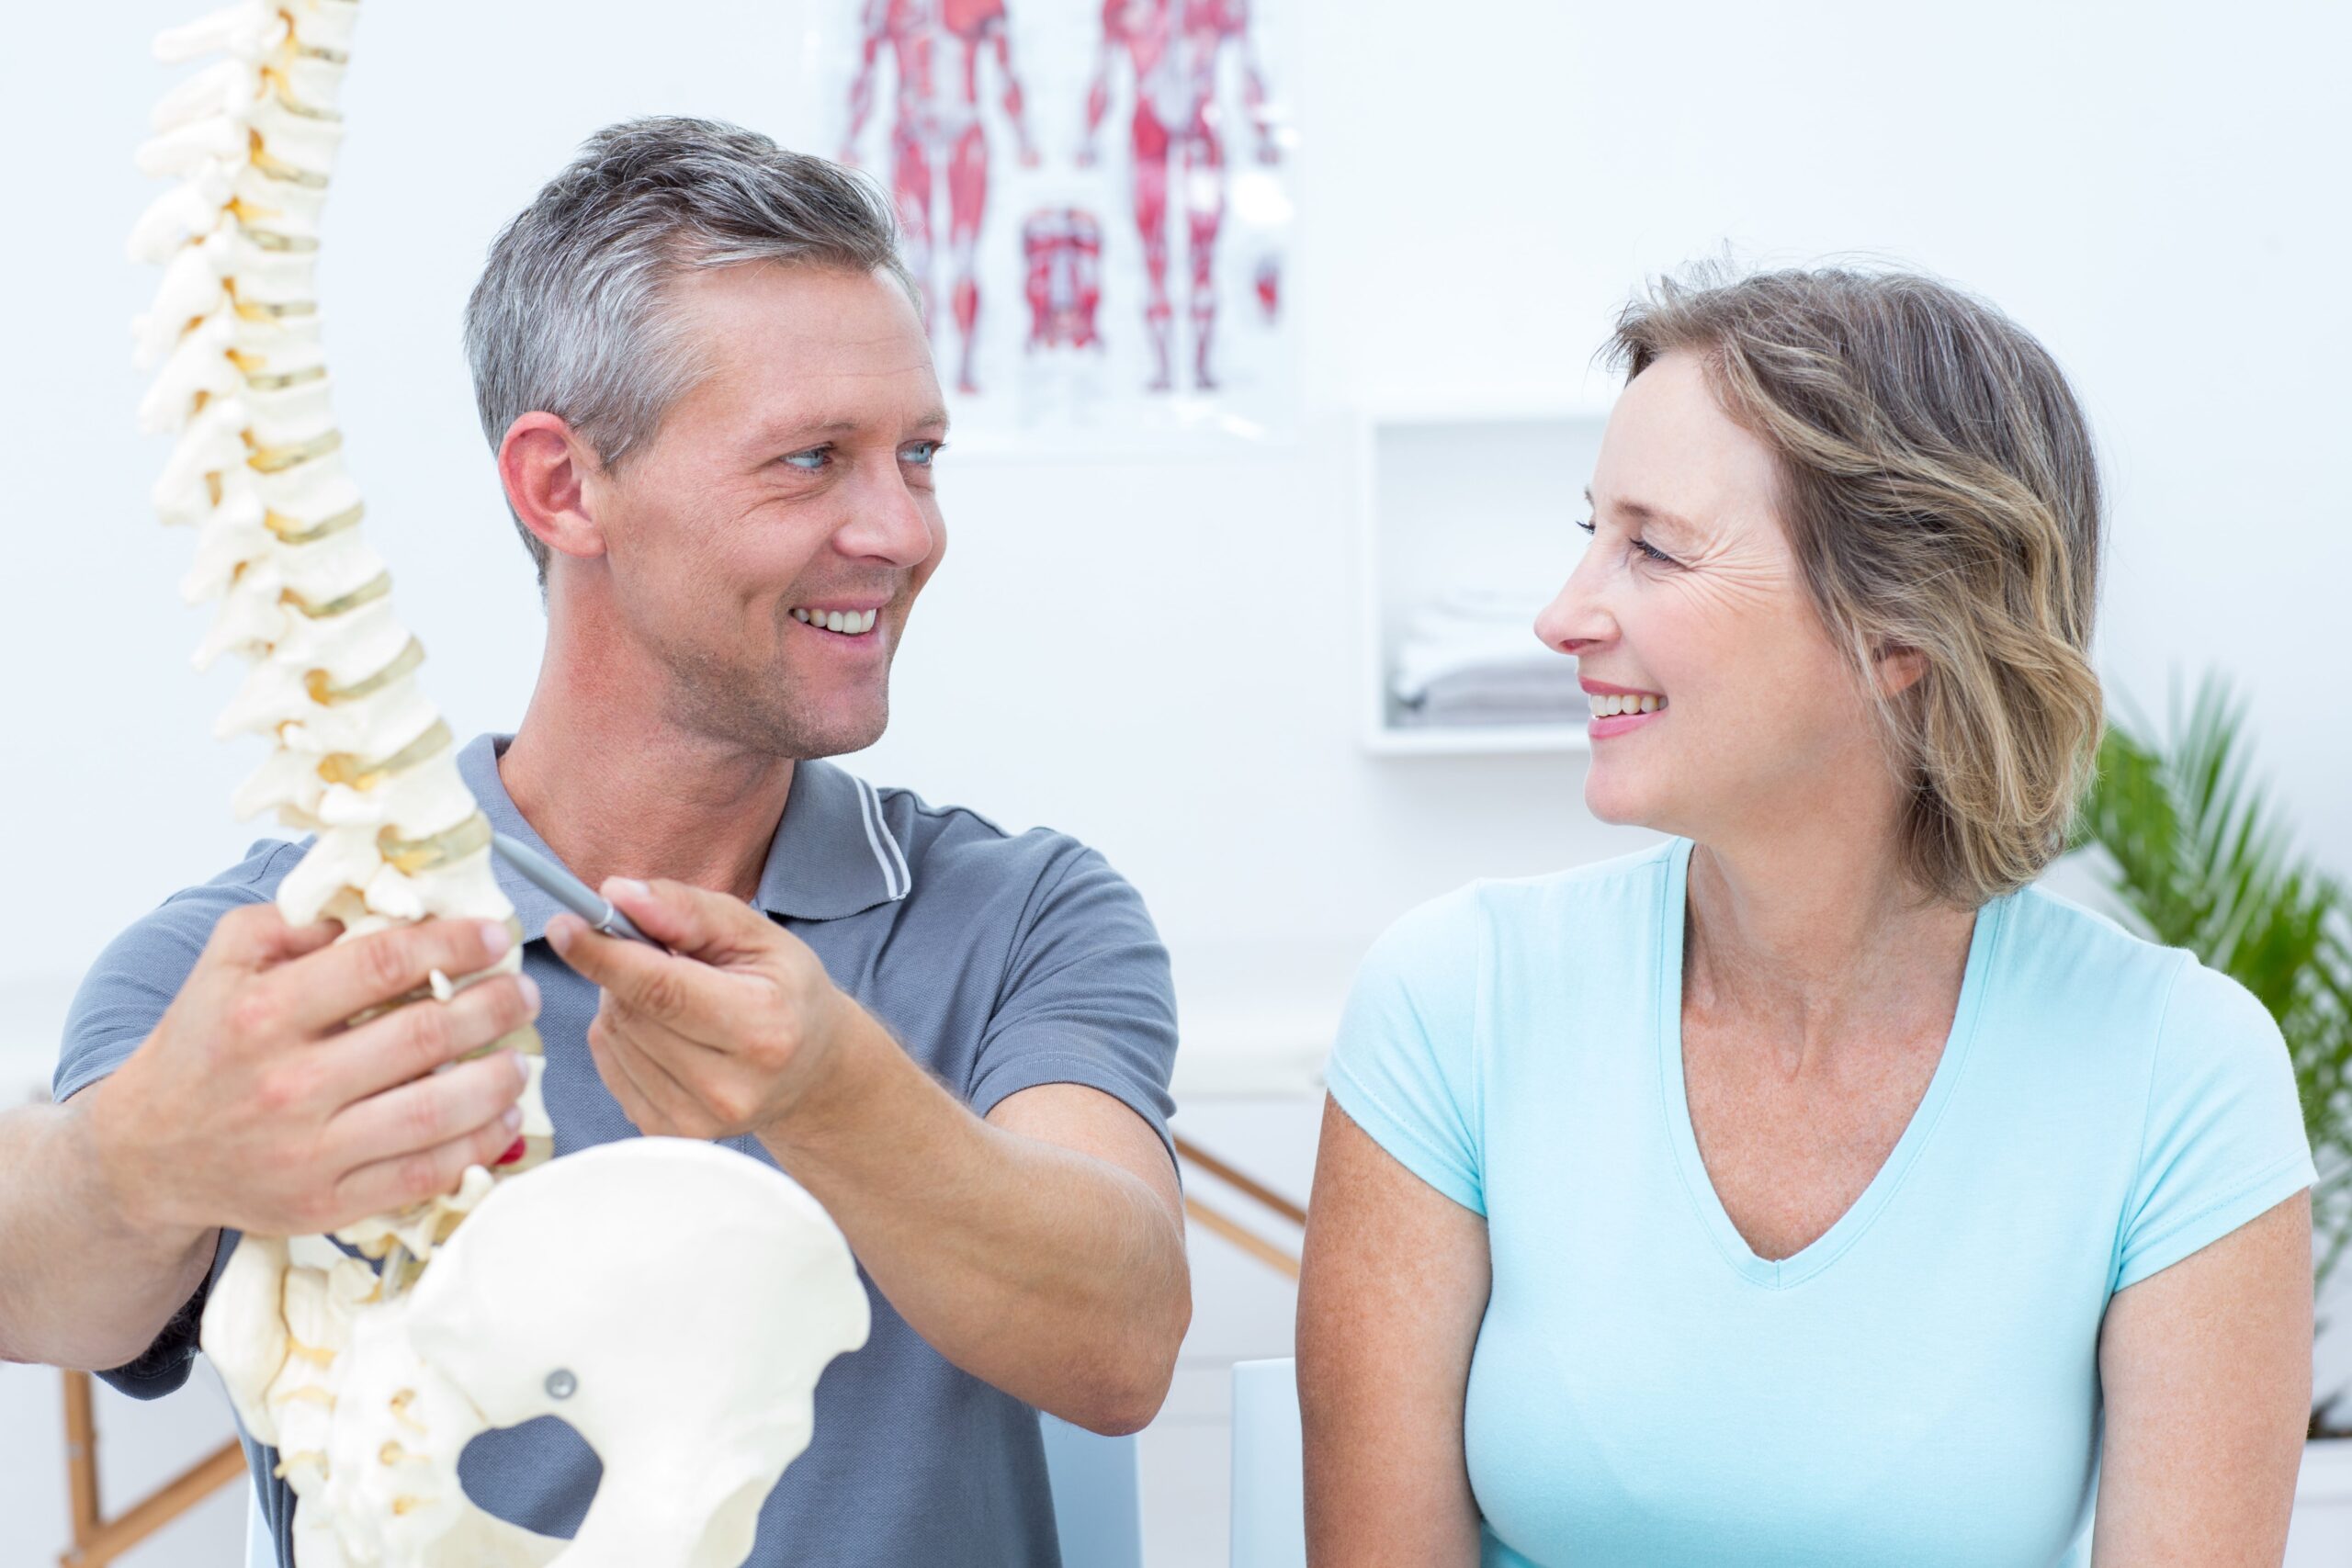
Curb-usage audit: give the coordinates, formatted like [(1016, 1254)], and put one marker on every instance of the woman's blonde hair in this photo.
[(1941, 494)]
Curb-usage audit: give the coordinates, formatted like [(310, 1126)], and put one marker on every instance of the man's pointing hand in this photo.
[(731, 1032)]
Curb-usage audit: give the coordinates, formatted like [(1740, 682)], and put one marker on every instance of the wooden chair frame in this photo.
[(99, 1540), (1218, 1223)]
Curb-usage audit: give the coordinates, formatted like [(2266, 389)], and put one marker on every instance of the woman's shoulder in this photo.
[(2161, 1008), (2178, 1060), (1442, 942), (1619, 897), (2055, 945)]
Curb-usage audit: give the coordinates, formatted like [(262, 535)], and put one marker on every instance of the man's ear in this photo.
[(548, 470)]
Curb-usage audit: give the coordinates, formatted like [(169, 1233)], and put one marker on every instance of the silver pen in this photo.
[(543, 873)]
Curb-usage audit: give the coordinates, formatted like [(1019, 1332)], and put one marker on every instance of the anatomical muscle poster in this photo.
[(1094, 196)]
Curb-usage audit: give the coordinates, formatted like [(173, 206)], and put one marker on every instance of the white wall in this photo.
[(1160, 656), (2150, 188)]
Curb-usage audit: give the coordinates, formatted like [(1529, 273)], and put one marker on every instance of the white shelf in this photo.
[(1478, 490), (1474, 740)]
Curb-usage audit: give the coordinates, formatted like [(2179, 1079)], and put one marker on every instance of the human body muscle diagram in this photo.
[(1173, 48), (938, 142), (1061, 251)]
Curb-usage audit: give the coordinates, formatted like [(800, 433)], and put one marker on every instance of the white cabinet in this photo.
[(1455, 496)]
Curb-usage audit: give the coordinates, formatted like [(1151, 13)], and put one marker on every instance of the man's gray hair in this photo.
[(568, 315)]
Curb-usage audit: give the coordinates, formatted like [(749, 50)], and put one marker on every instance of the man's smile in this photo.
[(844, 621)]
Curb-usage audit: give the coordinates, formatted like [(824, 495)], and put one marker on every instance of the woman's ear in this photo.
[(1899, 669), (546, 468)]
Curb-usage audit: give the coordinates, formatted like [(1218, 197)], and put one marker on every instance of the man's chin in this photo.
[(790, 728), (802, 736)]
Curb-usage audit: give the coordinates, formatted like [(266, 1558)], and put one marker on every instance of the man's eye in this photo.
[(920, 453), (811, 461)]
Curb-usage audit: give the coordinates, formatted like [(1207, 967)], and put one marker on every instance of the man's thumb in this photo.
[(685, 918)]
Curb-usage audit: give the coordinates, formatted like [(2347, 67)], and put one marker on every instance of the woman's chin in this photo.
[(1615, 800)]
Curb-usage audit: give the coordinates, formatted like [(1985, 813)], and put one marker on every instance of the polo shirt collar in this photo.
[(832, 856)]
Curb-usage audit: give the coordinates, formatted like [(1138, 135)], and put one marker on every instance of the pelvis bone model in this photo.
[(689, 1363), (688, 1360)]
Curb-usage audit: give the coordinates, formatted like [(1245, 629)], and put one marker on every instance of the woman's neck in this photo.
[(1810, 940)]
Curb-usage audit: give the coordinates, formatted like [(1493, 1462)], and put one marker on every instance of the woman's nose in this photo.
[(1576, 618)]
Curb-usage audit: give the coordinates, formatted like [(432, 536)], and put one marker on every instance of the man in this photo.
[(715, 420)]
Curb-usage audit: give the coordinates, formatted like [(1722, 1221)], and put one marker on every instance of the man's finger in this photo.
[(684, 994), (621, 1086), (408, 1178), (371, 970), (257, 937), (658, 1085), (691, 921), (431, 1111), (410, 1042)]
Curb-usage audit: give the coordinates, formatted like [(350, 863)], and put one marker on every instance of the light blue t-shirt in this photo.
[(1920, 1385)]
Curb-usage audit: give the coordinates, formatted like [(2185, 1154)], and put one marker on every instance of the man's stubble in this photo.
[(762, 709)]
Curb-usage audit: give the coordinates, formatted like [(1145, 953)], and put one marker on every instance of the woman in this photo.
[(1812, 1189)]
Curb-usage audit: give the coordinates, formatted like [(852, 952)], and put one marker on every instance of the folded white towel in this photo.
[(1474, 631), (1503, 696)]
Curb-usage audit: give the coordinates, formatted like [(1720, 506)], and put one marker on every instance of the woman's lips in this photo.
[(1620, 723)]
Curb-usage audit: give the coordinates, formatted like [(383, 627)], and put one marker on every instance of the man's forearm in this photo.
[(82, 1284), (1052, 1275)]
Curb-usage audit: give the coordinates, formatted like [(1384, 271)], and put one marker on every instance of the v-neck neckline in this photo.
[(1826, 1247)]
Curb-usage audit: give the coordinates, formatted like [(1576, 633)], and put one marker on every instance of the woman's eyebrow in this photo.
[(1642, 512)]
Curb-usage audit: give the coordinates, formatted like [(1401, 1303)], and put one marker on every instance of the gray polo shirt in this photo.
[(1000, 961)]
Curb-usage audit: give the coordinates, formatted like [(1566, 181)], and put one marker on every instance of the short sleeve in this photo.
[(118, 1006), (1088, 997), (1404, 1065), (2224, 1139), (126, 992)]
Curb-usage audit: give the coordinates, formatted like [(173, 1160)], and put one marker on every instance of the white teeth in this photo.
[(1610, 706), (848, 623)]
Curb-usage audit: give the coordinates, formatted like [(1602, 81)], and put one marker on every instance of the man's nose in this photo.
[(886, 521)]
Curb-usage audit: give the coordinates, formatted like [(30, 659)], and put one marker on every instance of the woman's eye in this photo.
[(1646, 549), (921, 453)]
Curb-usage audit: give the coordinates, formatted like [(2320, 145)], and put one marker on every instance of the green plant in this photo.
[(2199, 858)]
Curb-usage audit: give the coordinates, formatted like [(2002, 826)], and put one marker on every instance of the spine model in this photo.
[(360, 758)]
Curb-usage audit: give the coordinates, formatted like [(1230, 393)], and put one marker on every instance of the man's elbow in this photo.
[(74, 1355), (1126, 1397), (1122, 1410)]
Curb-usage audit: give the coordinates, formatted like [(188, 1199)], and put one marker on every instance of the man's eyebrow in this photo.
[(810, 431), (806, 432), (1642, 512)]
